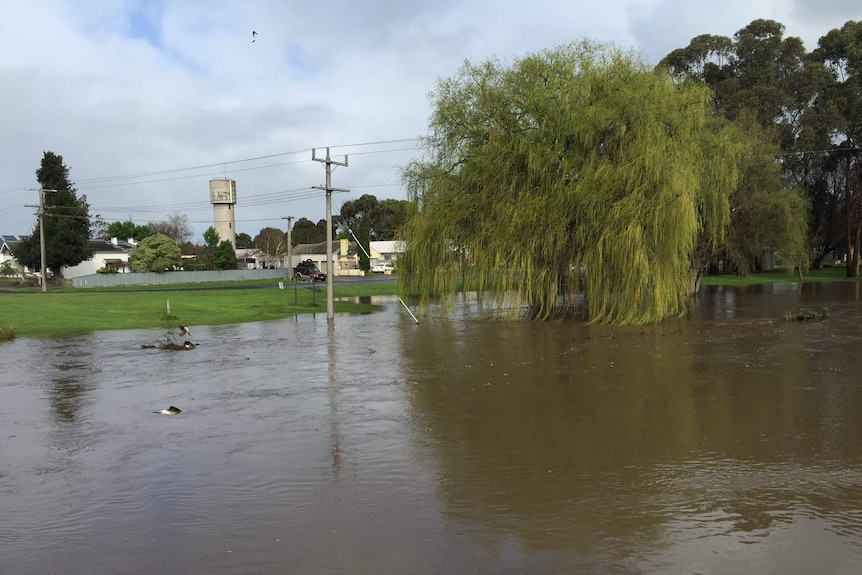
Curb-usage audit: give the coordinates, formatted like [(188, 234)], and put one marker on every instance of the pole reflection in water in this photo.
[(332, 365), (728, 442)]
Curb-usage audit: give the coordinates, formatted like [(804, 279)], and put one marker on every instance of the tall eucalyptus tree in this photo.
[(763, 82), (840, 50)]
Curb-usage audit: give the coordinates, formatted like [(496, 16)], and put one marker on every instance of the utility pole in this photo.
[(289, 246), (330, 268), (42, 257)]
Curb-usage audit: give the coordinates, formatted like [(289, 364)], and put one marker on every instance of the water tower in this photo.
[(223, 199)]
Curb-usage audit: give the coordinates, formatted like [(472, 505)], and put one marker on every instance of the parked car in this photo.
[(383, 268), (308, 271)]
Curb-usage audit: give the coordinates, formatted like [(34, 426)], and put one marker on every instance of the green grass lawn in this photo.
[(830, 274), (69, 312)]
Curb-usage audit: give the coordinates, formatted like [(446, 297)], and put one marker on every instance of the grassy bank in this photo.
[(66, 311), (830, 274), (69, 312)]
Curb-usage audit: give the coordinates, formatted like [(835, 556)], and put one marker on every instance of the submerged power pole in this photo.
[(330, 269)]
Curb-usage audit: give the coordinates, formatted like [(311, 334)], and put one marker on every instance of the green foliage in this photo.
[(574, 157), (306, 232), (6, 333), (106, 271), (156, 253), (321, 229), (67, 221), (7, 269), (766, 84), (216, 255), (840, 52), (383, 218), (211, 237), (759, 72), (766, 216), (364, 237), (125, 230), (224, 256), (244, 241), (203, 257)]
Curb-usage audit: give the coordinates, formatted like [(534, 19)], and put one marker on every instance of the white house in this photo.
[(7, 248), (110, 254), (387, 251), (249, 258)]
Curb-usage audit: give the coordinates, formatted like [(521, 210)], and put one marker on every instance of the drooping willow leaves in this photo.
[(579, 159)]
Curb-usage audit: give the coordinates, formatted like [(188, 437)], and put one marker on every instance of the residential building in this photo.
[(110, 255), (7, 249), (345, 256)]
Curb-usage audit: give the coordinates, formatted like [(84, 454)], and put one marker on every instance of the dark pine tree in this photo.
[(66, 217)]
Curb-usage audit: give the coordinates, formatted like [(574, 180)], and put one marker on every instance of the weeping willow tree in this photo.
[(578, 158)]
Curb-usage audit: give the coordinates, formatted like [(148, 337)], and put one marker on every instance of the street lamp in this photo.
[(42, 234)]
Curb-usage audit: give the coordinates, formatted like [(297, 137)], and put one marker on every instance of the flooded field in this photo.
[(728, 442)]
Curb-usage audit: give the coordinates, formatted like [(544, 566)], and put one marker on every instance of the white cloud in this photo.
[(145, 86)]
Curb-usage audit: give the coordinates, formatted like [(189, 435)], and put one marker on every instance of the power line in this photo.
[(118, 183), (380, 143), (232, 162), (829, 150), (187, 168)]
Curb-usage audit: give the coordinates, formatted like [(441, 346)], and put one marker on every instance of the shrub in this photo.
[(6, 333)]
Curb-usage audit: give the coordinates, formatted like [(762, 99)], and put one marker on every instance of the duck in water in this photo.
[(188, 345), (169, 411), (184, 330)]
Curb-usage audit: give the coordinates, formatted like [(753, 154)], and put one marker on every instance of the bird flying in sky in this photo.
[(253, 35)]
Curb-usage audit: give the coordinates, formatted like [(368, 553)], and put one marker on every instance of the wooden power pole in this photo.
[(42, 259), (289, 246), (330, 268)]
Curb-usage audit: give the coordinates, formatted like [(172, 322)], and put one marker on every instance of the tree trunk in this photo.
[(696, 277), (853, 228), (817, 263)]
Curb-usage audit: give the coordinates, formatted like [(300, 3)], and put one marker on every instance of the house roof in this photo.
[(311, 249), (108, 246), (388, 246), (11, 241), (247, 252)]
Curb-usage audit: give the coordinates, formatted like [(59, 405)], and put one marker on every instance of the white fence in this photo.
[(167, 278)]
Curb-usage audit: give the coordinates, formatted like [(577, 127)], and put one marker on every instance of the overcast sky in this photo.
[(147, 100)]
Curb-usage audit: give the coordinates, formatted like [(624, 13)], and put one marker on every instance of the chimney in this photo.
[(344, 247), (114, 241)]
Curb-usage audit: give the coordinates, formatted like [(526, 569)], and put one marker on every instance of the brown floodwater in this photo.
[(727, 442)]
